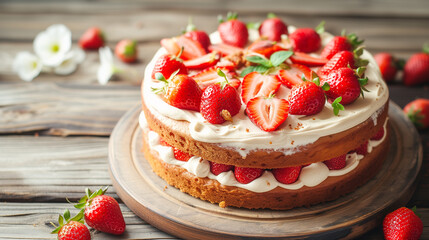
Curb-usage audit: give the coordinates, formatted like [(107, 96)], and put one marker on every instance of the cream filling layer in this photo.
[(311, 175), (243, 136)]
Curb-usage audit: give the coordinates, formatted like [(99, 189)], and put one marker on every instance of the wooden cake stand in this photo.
[(181, 215)]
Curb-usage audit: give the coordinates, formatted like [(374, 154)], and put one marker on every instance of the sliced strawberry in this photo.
[(293, 75), (180, 155), (336, 163), (203, 62), (287, 175), (379, 135), (171, 46), (191, 48), (210, 76), (308, 60), (267, 113), (226, 63), (265, 47), (218, 168), (255, 84), (225, 49), (246, 175), (362, 149), (199, 36)]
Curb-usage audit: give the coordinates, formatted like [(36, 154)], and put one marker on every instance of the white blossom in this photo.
[(71, 60), (53, 44), (27, 65), (107, 67)]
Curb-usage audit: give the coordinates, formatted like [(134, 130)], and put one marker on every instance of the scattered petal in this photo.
[(53, 44), (107, 68), (27, 65), (70, 63)]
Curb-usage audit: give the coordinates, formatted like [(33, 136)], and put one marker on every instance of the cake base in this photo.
[(187, 217)]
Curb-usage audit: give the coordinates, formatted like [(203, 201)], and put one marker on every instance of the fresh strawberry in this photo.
[(93, 38), (379, 135), (293, 75), (308, 60), (126, 50), (362, 149), (416, 70), (246, 175), (340, 43), (340, 60), (181, 91), (402, 224), (306, 98), (167, 64), (388, 65), (268, 113), (287, 175), (345, 83), (203, 62), (233, 32), (255, 84), (171, 45), (336, 163), (418, 112), (198, 35), (72, 228), (191, 48), (305, 40), (218, 168), (272, 28), (220, 102), (265, 47), (225, 49), (210, 76), (181, 155), (102, 212)]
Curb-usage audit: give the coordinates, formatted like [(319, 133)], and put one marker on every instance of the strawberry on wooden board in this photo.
[(246, 175), (92, 39), (268, 113), (220, 102), (203, 62), (336, 163), (71, 228), (180, 91), (293, 74), (218, 168), (306, 40), (232, 31), (272, 28), (255, 84), (402, 224), (416, 69), (306, 98), (418, 112), (287, 175), (308, 60), (167, 64), (340, 43), (102, 212), (197, 35), (388, 65), (126, 50)]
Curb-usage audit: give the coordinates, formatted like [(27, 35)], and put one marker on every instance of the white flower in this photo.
[(53, 44), (107, 67), (71, 61), (27, 65)]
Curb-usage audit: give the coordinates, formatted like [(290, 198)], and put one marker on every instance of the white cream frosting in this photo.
[(243, 136), (310, 176)]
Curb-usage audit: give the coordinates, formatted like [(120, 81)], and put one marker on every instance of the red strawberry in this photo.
[(220, 102), (181, 155), (293, 75), (340, 43), (167, 64), (198, 35), (307, 60), (191, 48), (345, 83), (362, 149), (210, 76), (171, 46), (265, 47), (336, 163), (246, 175), (402, 223), (225, 49), (287, 175), (305, 40), (102, 212), (72, 229), (340, 60), (218, 168), (126, 50), (233, 32), (93, 38), (181, 91), (267, 113), (388, 65), (379, 135), (273, 28), (203, 62), (418, 112), (255, 84), (306, 99), (416, 70)]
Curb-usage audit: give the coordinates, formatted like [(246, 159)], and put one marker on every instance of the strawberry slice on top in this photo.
[(293, 75), (268, 113), (191, 48), (225, 49), (265, 47), (307, 60), (256, 84), (210, 76), (203, 62)]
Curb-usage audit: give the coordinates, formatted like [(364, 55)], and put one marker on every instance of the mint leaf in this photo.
[(259, 60), (337, 105), (247, 70), (279, 57)]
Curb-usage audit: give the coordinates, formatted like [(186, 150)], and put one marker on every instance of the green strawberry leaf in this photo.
[(337, 106), (247, 70), (325, 86), (279, 57), (67, 215), (79, 216), (320, 28), (253, 25), (259, 60), (61, 220)]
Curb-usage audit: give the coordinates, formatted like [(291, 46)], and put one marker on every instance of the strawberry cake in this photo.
[(274, 117)]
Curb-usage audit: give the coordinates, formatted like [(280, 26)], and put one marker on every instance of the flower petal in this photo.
[(27, 65), (107, 67)]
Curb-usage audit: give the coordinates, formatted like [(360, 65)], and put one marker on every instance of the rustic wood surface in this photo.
[(54, 131)]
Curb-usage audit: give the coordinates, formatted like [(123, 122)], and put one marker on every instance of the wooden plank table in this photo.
[(54, 131)]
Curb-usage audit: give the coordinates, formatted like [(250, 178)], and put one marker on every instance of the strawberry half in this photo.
[(273, 28), (267, 113), (362, 149), (379, 135), (255, 84), (203, 62), (218, 168), (293, 75), (336, 163), (246, 175), (191, 48), (306, 98), (265, 47), (210, 76), (233, 32), (225, 49), (307, 60), (167, 64), (287, 175)]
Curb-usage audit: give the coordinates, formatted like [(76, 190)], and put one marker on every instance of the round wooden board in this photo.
[(181, 215)]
